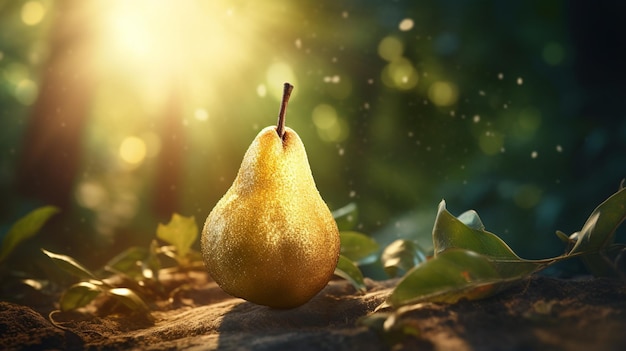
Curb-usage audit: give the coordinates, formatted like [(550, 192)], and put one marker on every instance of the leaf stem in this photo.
[(280, 125)]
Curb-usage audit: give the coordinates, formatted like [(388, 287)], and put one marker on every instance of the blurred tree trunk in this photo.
[(170, 161), (52, 143)]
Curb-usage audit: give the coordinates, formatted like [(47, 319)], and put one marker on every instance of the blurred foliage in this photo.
[(25, 228), (509, 107)]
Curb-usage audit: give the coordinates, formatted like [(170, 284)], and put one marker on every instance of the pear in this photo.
[(271, 239)]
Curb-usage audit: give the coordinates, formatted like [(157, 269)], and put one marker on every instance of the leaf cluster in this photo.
[(467, 262), (471, 263), (132, 277), (358, 249)]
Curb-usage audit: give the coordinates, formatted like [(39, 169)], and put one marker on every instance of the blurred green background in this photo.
[(123, 112)]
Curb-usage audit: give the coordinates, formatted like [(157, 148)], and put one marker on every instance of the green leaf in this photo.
[(130, 299), (473, 263), (563, 237), (606, 263), (375, 321), (130, 262), (181, 232), (346, 269), (357, 246), (598, 234), (471, 219), (450, 232), (79, 295), (152, 263), (401, 255), (599, 230), (598, 265), (25, 228), (70, 265), (453, 275), (346, 217)]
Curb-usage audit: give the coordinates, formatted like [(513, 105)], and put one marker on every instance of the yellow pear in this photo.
[(271, 239)]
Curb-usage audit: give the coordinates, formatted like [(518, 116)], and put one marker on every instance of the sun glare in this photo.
[(156, 45)]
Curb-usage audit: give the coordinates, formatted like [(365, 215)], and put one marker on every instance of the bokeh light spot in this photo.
[(32, 12), (553, 53), (406, 24), (527, 196), (15, 72), (201, 114), (443, 93), (400, 74), (332, 79), (26, 92), (277, 74), (261, 90), (324, 116), (390, 48), (133, 150), (329, 126), (530, 119), (90, 194), (491, 143)]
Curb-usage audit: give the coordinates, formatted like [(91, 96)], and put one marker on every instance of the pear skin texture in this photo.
[(271, 239)]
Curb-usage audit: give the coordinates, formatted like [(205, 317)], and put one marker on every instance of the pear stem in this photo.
[(280, 125)]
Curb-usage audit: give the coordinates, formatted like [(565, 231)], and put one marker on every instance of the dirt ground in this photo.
[(538, 314)]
